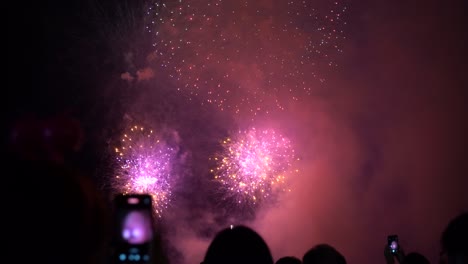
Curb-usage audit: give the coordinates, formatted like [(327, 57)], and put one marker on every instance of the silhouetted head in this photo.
[(238, 245), (288, 260), (323, 254), (45, 140), (415, 258), (455, 241)]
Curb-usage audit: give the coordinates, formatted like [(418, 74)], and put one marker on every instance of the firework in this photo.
[(144, 165), (253, 165), (246, 57)]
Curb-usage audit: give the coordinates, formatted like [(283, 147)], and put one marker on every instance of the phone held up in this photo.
[(393, 244), (134, 228)]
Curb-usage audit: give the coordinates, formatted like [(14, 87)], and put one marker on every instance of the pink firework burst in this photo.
[(144, 165), (254, 165)]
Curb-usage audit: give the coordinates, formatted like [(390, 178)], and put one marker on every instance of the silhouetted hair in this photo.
[(288, 260), (323, 254), (415, 258), (455, 238), (238, 245)]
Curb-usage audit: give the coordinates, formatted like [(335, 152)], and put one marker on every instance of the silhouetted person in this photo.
[(455, 241), (288, 260), (415, 258), (323, 254), (238, 245), (68, 220)]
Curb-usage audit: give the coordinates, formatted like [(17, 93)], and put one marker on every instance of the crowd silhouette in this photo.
[(73, 212)]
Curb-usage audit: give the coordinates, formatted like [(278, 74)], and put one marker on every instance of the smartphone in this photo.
[(393, 244), (134, 228)]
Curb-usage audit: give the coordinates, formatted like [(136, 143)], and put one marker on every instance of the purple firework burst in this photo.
[(145, 166)]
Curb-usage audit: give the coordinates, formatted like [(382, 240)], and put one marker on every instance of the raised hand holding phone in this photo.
[(393, 250), (134, 232)]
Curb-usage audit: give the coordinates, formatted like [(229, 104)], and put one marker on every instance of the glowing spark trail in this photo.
[(144, 166), (254, 165)]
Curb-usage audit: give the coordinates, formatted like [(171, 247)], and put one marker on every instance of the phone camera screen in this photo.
[(393, 244), (136, 227)]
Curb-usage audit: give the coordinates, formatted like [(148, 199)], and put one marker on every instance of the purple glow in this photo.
[(137, 227)]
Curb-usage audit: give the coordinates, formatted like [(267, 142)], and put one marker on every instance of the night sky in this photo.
[(372, 95)]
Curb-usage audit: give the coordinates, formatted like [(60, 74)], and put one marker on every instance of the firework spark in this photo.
[(144, 166), (254, 165), (246, 56)]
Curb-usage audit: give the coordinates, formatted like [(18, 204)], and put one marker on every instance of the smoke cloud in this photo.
[(381, 137), (387, 147), (383, 150)]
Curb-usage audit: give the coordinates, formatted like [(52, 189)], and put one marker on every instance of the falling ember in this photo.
[(266, 53)]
